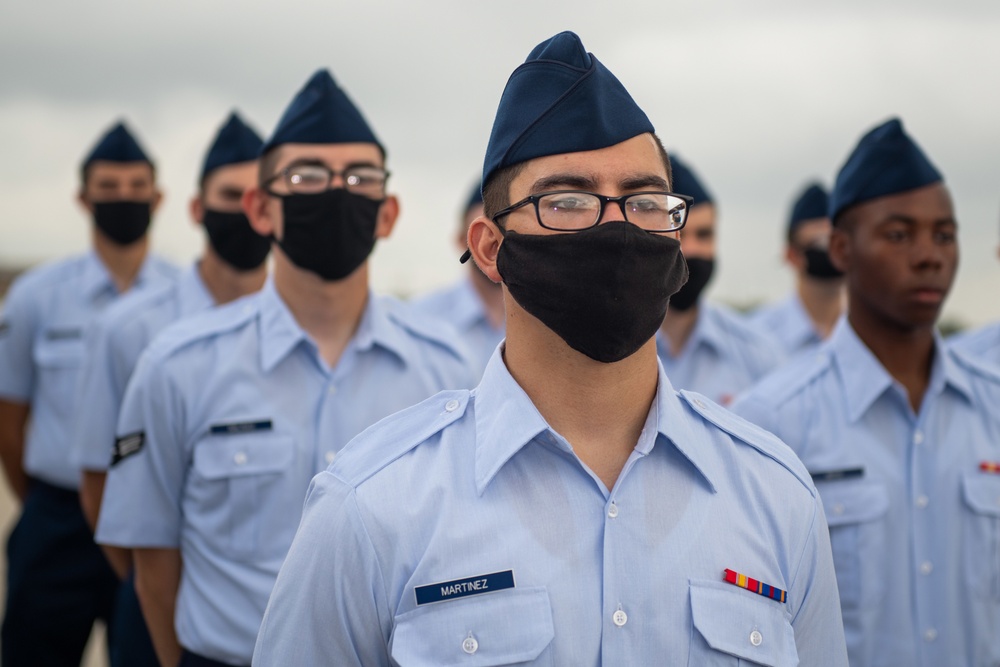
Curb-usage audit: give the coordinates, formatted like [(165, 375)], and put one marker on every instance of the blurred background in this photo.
[(759, 97)]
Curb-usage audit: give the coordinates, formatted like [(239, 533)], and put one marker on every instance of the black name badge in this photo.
[(460, 588), (241, 427), (832, 475), (64, 334)]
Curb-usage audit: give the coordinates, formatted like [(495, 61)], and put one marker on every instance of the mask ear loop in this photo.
[(467, 255)]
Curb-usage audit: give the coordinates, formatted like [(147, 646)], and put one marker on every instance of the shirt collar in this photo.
[(469, 308), (280, 333), (706, 331), (866, 379), (96, 278), (377, 327), (507, 420), (801, 328), (192, 292)]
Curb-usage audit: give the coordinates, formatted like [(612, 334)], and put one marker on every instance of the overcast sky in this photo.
[(759, 97)]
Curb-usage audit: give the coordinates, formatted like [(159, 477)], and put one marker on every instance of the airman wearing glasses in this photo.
[(230, 414), (573, 509)]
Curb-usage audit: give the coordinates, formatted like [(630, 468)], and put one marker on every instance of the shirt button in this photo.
[(470, 645), (331, 390), (619, 618), (699, 403), (918, 437), (756, 638), (922, 501), (451, 405), (329, 457), (926, 568), (240, 458), (930, 634), (838, 509), (613, 510)]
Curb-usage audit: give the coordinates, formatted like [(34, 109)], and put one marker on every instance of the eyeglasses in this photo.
[(311, 179), (574, 210)]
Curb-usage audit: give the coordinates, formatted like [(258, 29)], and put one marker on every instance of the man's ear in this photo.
[(81, 199), (794, 258), (197, 210), (388, 213), (154, 203), (255, 203), (840, 248), (484, 240)]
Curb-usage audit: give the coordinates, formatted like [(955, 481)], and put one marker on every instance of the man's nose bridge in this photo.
[(925, 249), (617, 209)]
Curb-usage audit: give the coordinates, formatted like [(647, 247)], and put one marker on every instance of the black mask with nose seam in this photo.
[(603, 290)]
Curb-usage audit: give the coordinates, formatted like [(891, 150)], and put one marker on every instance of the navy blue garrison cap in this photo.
[(235, 142), (810, 205), (561, 100), (321, 113), (117, 145), (885, 162), (686, 183)]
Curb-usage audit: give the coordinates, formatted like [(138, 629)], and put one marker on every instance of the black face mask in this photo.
[(124, 222), (235, 241), (330, 233), (603, 290), (819, 265), (699, 274)]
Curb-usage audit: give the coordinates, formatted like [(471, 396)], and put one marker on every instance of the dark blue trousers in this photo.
[(129, 643), (58, 582), (189, 659)]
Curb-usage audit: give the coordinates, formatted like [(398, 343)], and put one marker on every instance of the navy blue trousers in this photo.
[(189, 659), (129, 643), (58, 582)]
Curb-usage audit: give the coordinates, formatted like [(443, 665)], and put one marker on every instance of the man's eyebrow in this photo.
[(230, 191), (563, 182), (898, 217), (644, 181)]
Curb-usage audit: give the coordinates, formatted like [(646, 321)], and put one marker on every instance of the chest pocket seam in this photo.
[(726, 617), (66, 353), (510, 627), (223, 457)]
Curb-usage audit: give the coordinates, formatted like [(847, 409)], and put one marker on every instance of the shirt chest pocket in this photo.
[(238, 491), (57, 359), (506, 628), (733, 627), (855, 513), (981, 533)]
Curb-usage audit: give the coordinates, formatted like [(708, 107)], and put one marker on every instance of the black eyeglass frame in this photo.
[(283, 173), (605, 200)]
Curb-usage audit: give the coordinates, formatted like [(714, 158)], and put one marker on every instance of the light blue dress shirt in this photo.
[(788, 324), (46, 316), (237, 412), (723, 356), (982, 343), (472, 499), (114, 343), (914, 522), (461, 306)]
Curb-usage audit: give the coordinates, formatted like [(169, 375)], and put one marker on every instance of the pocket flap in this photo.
[(847, 502), (982, 492), (237, 456), (508, 627), (733, 620), (59, 353)]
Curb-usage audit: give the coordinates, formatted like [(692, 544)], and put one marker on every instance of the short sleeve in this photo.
[(329, 604), (142, 496), (18, 326), (816, 620)]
